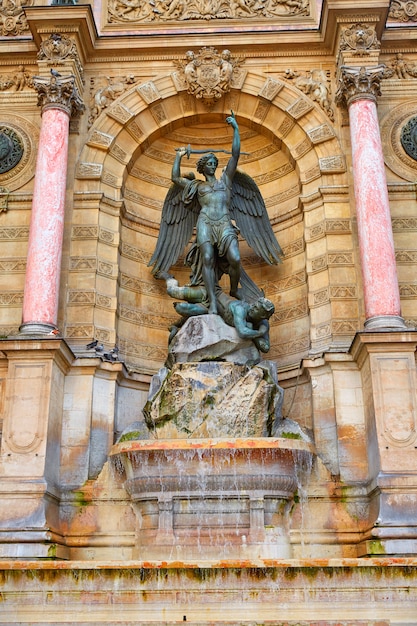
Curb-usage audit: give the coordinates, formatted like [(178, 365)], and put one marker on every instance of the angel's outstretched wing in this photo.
[(249, 211), (177, 222), (249, 291)]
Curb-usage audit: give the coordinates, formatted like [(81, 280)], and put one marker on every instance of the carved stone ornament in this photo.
[(19, 80), (182, 10), (409, 138), (360, 39), (58, 49), (401, 68), (359, 84), (17, 171), (12, 17), (11, 149), (403, 10), (397, 121), (4, 199), (59, 92), (315, 84), (106, 91), (208, 74)]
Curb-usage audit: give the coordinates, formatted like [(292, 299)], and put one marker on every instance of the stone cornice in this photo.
[(75, 20)]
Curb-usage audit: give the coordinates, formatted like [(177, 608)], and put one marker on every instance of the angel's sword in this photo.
[(191, 151)]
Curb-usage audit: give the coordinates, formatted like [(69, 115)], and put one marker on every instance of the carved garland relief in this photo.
[(121, 11)]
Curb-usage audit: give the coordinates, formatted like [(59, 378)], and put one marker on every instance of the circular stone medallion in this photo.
[(18, 145), (398, 123), (409, 138), (11, 149)]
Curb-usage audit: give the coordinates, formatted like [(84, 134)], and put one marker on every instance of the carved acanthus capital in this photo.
[(58, 92), (359, 39), (359, 84)]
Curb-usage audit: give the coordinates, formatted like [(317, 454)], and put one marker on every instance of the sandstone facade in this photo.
[(344, 346)]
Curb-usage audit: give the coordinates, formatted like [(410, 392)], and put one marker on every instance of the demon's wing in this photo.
[(178, 219), (249, 211)]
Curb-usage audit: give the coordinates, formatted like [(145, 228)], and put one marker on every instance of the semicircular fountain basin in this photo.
[(214, 498)]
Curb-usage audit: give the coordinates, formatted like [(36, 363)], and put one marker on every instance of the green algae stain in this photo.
[(310, 572), (80, 499), (52, 551), (289, 435), (130, 436), (376, 547)]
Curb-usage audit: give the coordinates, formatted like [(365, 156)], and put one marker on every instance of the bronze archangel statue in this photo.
[(213, 206)]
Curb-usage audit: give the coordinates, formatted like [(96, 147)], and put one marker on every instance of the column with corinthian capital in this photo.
[(59, 99), (358, 89)]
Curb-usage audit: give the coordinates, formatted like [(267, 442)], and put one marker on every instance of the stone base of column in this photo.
[(385, 322), (395, 531), (387, 365), (28, 520), (36, 328)]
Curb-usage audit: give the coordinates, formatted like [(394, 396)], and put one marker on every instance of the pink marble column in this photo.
[(59, 100), (358, 90)]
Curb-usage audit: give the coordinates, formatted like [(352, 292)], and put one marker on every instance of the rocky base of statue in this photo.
[(209, 338), (214, 399)]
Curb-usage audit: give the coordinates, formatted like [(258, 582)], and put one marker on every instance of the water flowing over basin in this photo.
[(213, 497)]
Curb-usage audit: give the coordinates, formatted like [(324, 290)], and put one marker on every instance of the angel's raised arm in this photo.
[(176, 168), (233, 161)]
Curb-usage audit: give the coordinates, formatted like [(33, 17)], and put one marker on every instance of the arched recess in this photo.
[(122, 177)]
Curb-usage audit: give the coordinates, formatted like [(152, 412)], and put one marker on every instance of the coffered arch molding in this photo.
[(127, 135), (145, 112)]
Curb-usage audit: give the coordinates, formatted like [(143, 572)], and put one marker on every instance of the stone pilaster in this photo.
[(59, 99), (386, 363), (358, 89), (30, 447)]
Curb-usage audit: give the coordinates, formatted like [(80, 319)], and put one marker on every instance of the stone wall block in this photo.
[(76, 427), (103, 417), (324, 414), (351, 428)]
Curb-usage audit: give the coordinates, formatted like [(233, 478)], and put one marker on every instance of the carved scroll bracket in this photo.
[(359, 40), (61, 51)]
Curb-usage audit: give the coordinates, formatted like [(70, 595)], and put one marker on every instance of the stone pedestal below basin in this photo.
[(212, 498)]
